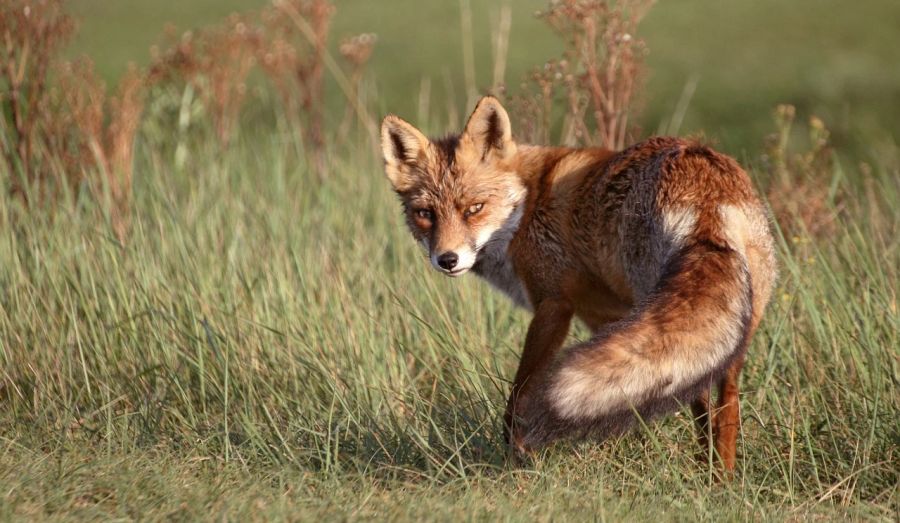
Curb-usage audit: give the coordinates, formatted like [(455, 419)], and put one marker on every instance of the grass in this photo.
[(268, 345), (272, 345), (832, 58)]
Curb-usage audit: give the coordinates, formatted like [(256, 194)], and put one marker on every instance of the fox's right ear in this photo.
[(403, 146)]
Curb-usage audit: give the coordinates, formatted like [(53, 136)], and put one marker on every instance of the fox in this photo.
[(663, 250)]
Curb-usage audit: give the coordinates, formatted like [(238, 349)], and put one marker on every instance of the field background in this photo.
[(271, 345), (831, 58)]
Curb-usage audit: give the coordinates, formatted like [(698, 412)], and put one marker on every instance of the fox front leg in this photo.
[(546, 334)]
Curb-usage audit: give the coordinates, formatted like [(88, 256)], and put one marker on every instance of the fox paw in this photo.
[(517, 437), (517, 442)]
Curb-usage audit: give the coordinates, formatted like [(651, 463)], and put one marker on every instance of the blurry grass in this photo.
[(270, 345), (832, 58)]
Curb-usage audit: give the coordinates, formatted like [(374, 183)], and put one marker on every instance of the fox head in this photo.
[(459, 192)]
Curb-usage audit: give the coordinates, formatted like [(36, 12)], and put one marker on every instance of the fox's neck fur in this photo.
[(494, 263), (543, 165), (540, 168)]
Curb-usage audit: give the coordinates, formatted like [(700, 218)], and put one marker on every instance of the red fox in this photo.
[(663, 250)]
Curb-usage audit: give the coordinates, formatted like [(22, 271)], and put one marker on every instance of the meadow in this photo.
[(267, 342)]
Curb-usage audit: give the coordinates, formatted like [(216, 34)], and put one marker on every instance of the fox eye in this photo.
[(425, 214), (473, 209)]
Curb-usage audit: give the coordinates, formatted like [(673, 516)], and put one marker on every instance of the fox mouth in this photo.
[(455, 273)]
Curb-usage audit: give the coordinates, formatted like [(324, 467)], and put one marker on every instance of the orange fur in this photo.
[(663, 250)]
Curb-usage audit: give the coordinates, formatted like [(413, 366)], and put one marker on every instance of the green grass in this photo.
[(270, 346)]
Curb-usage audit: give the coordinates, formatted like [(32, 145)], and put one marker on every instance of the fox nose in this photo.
[(448, 260)]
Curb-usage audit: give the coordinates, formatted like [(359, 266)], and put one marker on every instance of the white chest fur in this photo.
[(495, 265)]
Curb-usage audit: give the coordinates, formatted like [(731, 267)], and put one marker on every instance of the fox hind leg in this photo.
[(720, 424), (702, 416), (727, 419)]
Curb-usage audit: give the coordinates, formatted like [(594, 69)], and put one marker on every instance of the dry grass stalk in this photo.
[(799, 182), (32, 34), (500, 48), (216, 61), (294, 62), (94, 134), (60, 118), (125, 108), (356, 51), (74, 134), (599, 75)]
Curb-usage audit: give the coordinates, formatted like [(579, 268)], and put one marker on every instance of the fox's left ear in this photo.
[(489, 129)]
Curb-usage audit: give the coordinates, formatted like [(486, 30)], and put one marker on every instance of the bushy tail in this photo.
[(678, 340)]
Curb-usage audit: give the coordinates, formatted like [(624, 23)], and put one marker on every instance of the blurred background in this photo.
[(723, 65)]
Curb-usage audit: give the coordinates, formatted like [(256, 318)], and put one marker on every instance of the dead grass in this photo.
[(294, 61), (63, 129), (216, 62), (799, 180), (597, 80), (32, 32)]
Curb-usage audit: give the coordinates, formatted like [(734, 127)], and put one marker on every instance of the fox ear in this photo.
[(403, 146), (489, 129)]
